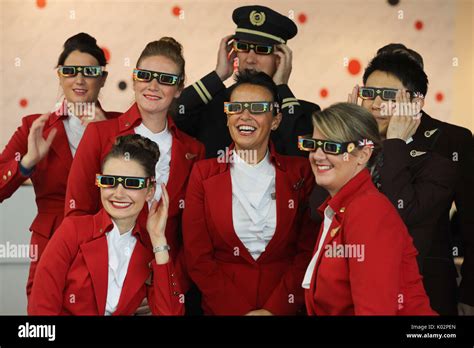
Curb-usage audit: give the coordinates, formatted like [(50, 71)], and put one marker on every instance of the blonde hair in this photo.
[(169, 48), (345, 122)]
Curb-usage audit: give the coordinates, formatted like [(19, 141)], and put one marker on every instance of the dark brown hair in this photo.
[(134, 147), (84, 43)]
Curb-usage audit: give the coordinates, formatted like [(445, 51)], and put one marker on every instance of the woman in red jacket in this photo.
[(103, 264), (246, 227), (364, 261), (42, 148), (158, 80)]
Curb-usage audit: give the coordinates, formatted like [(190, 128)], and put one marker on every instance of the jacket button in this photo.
[(175, 293), (172, 274), (5, 177), (174, 284), (9, 173), (127, 124)]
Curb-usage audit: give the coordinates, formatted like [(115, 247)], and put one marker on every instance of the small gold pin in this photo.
[(334, 231), (127, 124), (9, 173), (342, 210), (5, 177), (429, 133), (414, 153), (190, 156)]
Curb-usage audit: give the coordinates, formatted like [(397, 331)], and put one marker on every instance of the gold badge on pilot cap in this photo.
[(257, 18)]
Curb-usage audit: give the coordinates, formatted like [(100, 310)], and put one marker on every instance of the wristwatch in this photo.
[(161, 248)]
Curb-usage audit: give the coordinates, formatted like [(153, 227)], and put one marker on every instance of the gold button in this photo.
[(5, 177), (342, 210), (172, 274), (175, 293), (100, 230), (127, 124), (174, 284), (9, 173)]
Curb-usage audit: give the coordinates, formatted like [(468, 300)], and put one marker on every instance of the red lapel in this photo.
[(137, 273), (60, 143), (218, 189), (96, 257)]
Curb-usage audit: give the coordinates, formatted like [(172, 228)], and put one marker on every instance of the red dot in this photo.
[(439, 97), (176, 11), (419, 25), (302, 18), (23, 102), (354, 66), (41, 3), (106, 53), (323, 92)]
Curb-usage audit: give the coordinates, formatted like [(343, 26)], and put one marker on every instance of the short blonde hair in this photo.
[(345, 122)]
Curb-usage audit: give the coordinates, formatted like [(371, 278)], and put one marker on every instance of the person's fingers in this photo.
[(166, 199), (51, 136)]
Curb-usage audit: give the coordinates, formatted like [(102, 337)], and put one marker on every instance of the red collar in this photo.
[(132, 118), (361, 182), (103, 223)]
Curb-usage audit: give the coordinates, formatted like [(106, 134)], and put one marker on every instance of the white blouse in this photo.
[(164, 140), (74, 131), (120, 247), (328, 216), (253, 208)]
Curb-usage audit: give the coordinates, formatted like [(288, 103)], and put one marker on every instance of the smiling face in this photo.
[(252, 131), (80, 89), (152, 97), (332, 172), (258, 62), (121, 203)]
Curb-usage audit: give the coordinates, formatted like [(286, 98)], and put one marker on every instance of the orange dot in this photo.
[(176, 11), (41, 3), (419, 25), (439, 97), (23, 102), (106, 53), (302, 18), (323, 92), (354, 66)]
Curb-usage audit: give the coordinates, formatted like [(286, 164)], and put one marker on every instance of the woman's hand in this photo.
[(38, 147), (156, 225)]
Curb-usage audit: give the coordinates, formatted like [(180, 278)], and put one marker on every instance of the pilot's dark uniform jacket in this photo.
[(420, 183), (200, 111)]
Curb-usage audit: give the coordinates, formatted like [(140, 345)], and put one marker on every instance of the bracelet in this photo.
[(161, 248), (24, 171)]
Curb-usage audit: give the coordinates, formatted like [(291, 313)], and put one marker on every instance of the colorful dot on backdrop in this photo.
[(41, 3), (323, 92), (176, 11), (419, 25), (302, 18), (122, 85), (393, 2), (106, 53), (354, 66), (439, 97), (23, 102)]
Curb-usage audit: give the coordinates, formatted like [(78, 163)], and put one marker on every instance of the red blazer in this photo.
[(49, 177), (83, 197), (384, 279), (72, 275), (231, 281)]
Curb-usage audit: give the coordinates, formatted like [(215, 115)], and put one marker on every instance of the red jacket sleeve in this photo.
[(10, 176), (374, 278), (165, 297), (288, 296), (47, 293), (217, 288), (82, 196)]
